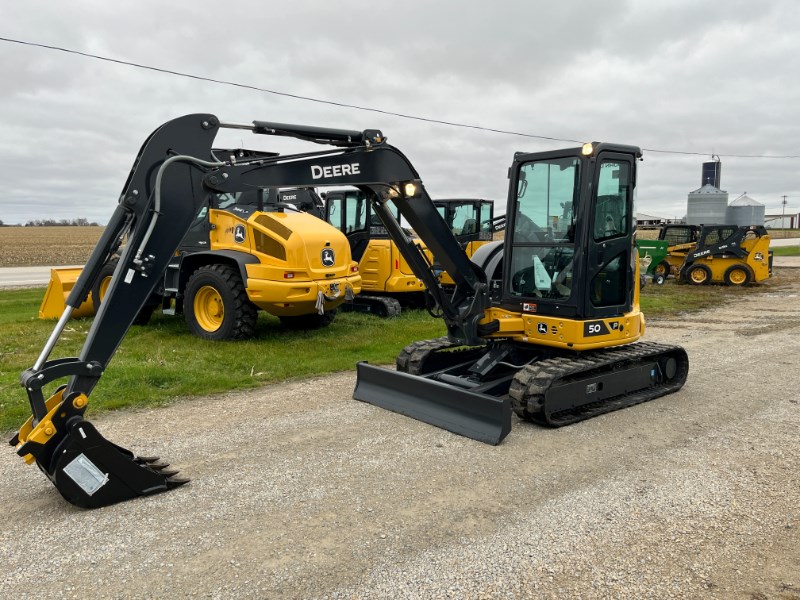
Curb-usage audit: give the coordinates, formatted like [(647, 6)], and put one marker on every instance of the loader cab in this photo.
[(301, 199), (557, 199), (350, 212), (240, 204), (470, 220), (676, 235)]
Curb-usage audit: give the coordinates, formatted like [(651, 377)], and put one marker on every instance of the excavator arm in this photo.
[(172, 176)]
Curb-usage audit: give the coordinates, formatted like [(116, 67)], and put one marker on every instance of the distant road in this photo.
[(24, 276), (786, 242)]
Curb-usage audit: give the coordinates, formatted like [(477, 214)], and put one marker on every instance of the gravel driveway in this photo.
[(298, 491)]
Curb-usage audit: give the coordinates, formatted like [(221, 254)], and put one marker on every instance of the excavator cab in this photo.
[(547, 265), (469, 219)]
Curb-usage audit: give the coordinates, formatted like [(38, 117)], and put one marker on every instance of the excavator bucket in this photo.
[(91, 472), (477, 416), (61, 283)]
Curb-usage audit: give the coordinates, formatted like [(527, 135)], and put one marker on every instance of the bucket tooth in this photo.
[(173, 482), (167, 473), (156, 466), (147, 459)]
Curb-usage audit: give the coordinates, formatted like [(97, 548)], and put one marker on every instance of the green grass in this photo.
[(786, 251), (671, 298), (163, 360)]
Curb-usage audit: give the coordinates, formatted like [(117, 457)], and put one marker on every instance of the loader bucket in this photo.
[(477, 416), (91, 472), (61, 282)]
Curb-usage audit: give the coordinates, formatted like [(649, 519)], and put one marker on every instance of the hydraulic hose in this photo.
[(137, 260)]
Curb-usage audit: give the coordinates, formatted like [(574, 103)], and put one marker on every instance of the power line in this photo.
[(357, 107)]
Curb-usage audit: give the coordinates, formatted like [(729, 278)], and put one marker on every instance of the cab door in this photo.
[(348, 211), (610, 267), (198, 237)]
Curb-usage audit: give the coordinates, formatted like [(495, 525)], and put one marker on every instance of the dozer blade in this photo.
[(473, 415), (90, 472)]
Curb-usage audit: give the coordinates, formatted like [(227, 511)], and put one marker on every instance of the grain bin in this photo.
[(708, 205), (745, 211)]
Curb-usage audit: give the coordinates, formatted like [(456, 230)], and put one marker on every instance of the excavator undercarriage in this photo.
[(474, 390)]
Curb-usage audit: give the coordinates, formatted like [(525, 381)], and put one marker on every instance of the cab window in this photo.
[(611, 211)]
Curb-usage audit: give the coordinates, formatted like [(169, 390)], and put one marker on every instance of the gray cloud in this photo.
[(679, 75)]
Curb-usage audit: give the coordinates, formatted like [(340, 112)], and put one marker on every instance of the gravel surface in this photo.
[(298, 491)]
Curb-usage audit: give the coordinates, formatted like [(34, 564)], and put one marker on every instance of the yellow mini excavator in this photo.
[(387, 280), (542, 324)]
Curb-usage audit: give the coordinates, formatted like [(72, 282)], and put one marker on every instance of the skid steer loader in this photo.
[(730, 254), (243, 251), (542, 324)]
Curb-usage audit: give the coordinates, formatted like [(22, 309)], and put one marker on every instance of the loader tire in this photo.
[(313, 321), (101, 286), (216, 306), (737, 276), (698, 275)]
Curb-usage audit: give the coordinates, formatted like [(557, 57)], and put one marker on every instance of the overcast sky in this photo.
[(690, 76)]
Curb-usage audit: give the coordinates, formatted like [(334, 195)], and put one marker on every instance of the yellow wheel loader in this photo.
[(730, 254), (243, 252), (544, 324)]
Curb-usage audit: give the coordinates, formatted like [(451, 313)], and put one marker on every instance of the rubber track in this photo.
[(391, 307), (386, 307), (531, 383), (413, 356)]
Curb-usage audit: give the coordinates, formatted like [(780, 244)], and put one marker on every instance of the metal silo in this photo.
[(745, 211), (708, 206)]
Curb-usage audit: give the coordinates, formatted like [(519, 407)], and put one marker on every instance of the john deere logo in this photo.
[(328, 257), (238, 234)]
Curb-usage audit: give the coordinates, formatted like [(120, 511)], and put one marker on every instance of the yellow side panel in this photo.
[(375, 265), (758, 260), (566, 333)]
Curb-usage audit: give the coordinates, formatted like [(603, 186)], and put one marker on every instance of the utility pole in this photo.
[(783, 213)]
